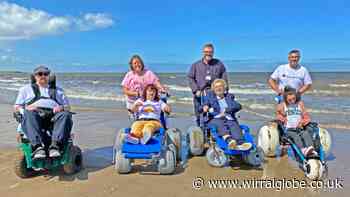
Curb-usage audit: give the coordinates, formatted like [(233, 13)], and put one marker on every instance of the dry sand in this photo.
[(95, 130)]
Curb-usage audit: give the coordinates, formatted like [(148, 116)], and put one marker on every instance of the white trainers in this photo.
[(39, 153), (245, 146), (232, 144), (131, 139), (308, 151), (146, 137), (54, 153)]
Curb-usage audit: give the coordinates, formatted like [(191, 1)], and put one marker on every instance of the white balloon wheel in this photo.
[(314, 169), (268, 139), (326, 141), (216, 157)]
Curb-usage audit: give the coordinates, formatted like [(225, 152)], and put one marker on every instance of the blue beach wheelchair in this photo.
[(271, 139), (205, 139), (164, 151)]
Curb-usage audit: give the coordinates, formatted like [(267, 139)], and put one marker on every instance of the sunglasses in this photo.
[(42, 74)]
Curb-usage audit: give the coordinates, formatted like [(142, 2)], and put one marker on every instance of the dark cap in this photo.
[(43, 69)]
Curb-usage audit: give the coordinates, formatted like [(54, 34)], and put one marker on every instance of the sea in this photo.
[(328, 102)]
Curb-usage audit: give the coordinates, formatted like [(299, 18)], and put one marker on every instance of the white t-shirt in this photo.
[(294, 115), (150, 109), (26, 94), (295, 78)]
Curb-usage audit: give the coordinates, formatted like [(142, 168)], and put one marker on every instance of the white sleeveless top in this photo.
[(294, 115)]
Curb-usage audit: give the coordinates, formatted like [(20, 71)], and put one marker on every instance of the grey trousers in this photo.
[(33, 126), (301, 138)]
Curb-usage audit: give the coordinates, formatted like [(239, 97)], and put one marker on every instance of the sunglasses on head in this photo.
[(42, 74)]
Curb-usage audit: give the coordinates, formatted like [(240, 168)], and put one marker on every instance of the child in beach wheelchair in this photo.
[(293, 117), (221, 130), (149, 109), (294, 129), (148, 138)]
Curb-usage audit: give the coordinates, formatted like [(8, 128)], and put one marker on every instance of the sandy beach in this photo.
[(95, 130)]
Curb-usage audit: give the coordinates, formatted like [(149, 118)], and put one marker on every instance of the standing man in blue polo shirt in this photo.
[(43, 104), (202, 73), (292, 74)]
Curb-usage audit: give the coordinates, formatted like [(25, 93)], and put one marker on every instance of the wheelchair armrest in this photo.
[(127, 130), (245, 129), (213, 130), (18, 116), (161, 131)]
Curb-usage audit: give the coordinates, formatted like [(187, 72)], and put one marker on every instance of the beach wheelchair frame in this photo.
[(162, 151), (272, 137), (217, 153), (71, 159)]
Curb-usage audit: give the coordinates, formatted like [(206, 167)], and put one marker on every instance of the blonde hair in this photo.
[(216, 81)]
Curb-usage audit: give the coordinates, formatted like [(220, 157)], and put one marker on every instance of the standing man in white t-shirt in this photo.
[(292, 74)]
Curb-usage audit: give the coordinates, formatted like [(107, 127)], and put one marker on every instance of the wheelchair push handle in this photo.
[(164, 95), (278, 99)]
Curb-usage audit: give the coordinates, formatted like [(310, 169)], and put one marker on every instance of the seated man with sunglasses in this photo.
[(44, 107)]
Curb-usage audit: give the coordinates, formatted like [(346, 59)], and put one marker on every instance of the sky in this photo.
[(101, 35)]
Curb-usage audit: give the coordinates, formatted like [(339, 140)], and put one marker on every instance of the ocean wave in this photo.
[(17, 84), (9, 88), (252, 85), (339, 85), (232, 90), (8, 80), (261, 106), (98, 98), (310, 110), (251, 91), (95, 82), (179, 88), (13, 80)]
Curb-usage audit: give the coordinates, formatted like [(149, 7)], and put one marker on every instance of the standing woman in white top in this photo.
[(292, 74)]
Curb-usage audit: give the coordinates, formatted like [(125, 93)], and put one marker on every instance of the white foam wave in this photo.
[(179, 88), (9, 88), (95, 97), (8, 80), (339, 85), (95, 82), (310, 110), (232, 90), (261, 106)]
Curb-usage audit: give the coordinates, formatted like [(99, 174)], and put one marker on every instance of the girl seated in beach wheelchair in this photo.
[(148, 138), (225, 137), (294, 129)]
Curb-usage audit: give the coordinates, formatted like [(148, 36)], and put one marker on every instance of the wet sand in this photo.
[(95, 130)]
